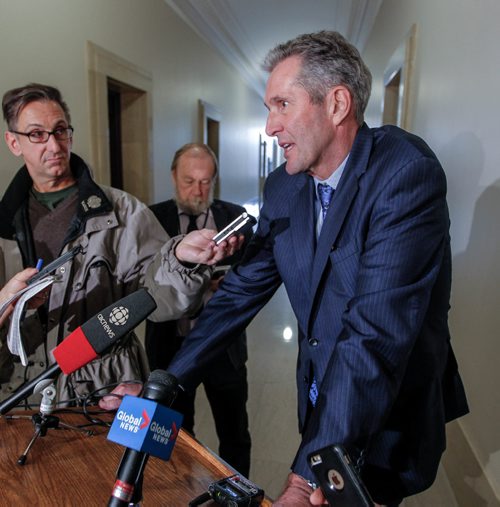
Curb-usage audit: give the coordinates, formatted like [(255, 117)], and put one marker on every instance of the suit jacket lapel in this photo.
[(302, 226), (340, 205)]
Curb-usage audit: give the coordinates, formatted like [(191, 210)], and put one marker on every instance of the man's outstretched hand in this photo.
[(198, 247)]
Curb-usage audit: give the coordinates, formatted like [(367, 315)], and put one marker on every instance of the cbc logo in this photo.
[(118, 315)]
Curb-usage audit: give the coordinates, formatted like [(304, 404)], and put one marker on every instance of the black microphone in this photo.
[(162, 388), (90, 340)]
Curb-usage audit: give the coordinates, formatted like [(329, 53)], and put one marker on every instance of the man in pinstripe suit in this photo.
[(366, 264)]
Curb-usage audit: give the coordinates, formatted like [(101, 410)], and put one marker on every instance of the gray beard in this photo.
[(194, 208)]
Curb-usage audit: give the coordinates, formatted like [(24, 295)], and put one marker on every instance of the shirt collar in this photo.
[(334, 178)]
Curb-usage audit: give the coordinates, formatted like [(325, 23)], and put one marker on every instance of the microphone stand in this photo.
[(129, 477), (43, 421)]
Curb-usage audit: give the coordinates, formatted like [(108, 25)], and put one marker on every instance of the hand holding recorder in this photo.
[(237, 226), (209, 247)]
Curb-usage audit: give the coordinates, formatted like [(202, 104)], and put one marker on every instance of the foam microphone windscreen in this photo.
[(103, 330), (89, 340)]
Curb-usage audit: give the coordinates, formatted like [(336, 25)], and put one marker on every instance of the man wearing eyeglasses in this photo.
[(52, 206)]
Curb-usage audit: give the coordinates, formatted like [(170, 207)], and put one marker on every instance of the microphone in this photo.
[(146, 428), (90, 340)]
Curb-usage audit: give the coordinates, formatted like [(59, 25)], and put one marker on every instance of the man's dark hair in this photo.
[(15, 100), (328, 60)]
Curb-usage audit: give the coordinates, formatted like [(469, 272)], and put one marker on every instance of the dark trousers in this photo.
[(228, 403), (226, 389)]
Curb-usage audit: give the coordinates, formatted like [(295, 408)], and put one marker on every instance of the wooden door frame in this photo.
[(101, 65)]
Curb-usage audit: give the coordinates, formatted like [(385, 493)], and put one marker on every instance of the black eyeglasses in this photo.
[(42, 136)]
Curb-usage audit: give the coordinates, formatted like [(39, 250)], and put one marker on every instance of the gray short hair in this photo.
[(197, 148), (328, 60)]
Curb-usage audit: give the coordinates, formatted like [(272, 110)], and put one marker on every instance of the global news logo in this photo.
[(146, 426), (162, 434), (159, 431)]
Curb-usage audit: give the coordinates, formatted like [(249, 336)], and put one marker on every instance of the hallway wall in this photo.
[(455, 107), (45, 42)]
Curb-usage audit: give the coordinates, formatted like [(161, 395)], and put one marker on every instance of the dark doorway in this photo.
[(213, 141), (127, 138), (209, 128), (115, 134)]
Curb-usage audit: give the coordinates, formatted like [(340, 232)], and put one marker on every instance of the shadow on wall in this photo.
[(463, 161), (475, 325)]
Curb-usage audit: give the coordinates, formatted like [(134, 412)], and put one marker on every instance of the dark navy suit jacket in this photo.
[(371, 297)]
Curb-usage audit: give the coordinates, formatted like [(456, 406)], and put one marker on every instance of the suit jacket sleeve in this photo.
[(245, 290)]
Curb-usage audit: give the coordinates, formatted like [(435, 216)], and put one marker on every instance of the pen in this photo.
[(39, 264)]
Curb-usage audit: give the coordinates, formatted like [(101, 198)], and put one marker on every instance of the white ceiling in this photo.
[(242, 31)]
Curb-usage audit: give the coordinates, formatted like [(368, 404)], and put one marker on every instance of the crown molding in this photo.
[(215, 23)]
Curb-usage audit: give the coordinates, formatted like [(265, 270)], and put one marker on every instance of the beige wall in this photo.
[(45, 41), (455, 108)]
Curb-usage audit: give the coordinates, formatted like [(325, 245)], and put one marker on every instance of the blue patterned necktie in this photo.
[(325, 193), (313, 392)]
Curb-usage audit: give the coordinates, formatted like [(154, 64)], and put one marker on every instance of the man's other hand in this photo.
[(297, 493), (317, 498), (114, 398)]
